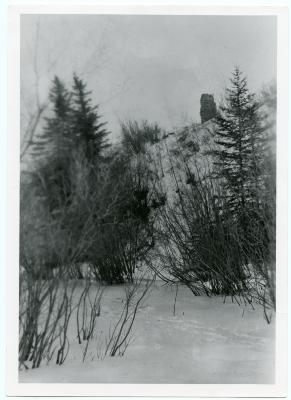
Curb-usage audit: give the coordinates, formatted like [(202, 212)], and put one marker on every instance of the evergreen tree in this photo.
[(89, 133), (240, 141), (52, 149), (72, 136), (240, 158), (65, 182), (55, 137)]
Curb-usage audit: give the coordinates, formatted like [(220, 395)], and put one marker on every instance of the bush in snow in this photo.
[(136, 135), (46, 307)]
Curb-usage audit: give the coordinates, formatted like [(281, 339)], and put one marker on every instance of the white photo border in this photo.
[(13, 387)]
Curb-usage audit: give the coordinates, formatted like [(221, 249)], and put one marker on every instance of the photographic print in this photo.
[(147, 225)]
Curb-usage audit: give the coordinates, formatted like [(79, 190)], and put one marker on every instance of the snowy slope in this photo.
[(206, 341), (179, 153)]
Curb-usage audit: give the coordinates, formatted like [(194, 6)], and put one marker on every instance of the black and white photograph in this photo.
[(147, 198)]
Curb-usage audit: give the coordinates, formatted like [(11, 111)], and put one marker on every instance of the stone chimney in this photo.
[(207, 107)]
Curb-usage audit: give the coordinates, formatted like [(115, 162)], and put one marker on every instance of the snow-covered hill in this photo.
[(179, 155)]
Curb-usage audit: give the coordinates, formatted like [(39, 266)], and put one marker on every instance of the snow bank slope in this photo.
[(206, 341)]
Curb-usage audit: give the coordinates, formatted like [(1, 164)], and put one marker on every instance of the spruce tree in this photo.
[(52, 149), (72, 136), (240, 144), (89, 133), (66, 175), (55, 137)]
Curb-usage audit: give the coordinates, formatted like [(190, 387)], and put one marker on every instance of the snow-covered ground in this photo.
[(206, 341)]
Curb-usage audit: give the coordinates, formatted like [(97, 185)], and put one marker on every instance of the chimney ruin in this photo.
[(207, 107)]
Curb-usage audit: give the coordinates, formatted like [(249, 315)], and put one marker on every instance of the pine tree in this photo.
[(52, 149), (55, 137), (240, 161), (240, 141), (65, 182), (72, 136), (89, 133)]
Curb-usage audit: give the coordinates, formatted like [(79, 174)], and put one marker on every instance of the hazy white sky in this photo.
[(146, 67)]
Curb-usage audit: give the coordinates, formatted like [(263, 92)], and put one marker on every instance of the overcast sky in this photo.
[(146, 67)]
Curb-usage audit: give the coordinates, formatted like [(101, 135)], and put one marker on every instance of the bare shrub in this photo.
[(52, 242), (260, 244), (120, 337), (125, 233), (122, 249), (45, 312), (136, 135), (88, 310), (201, 245), (198, 242)]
